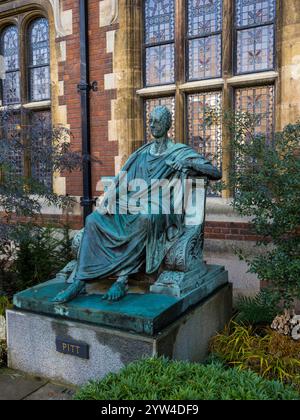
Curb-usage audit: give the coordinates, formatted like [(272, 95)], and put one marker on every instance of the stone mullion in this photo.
[(278, 65), (128, 73), (227, 71), (23, 57), (180, 134)]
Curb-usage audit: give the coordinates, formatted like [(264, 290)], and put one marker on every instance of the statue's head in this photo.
[(160, 121)]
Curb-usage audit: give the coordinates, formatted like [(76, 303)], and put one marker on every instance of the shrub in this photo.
[(39, 254), (265, 178), (4, 304), (3, 354), (271, 355), (25, 191), (260, 309), (161, 379)]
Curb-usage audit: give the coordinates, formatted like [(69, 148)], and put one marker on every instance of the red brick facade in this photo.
[(103, 151)]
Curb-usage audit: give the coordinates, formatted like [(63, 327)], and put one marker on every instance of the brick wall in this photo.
[(232, 231), (213, 230), (103, 151)]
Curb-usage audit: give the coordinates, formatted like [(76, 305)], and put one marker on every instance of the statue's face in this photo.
[(158, 125)]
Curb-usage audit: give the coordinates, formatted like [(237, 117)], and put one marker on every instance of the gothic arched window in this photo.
[(26, 92), (11, 66)]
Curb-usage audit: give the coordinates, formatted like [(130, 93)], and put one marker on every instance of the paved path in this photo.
[(17, 386)]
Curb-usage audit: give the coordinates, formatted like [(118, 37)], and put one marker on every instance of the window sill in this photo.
[(156, 90), (221, 210), (268, 76), (37, 105), (10, 107), (202, 84)]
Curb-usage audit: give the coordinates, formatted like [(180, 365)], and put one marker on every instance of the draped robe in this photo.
[(123, 244)]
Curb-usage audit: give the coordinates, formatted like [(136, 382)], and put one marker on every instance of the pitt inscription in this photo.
[(73, 348)]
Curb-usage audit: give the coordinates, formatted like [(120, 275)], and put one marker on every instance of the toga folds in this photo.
[(121, 244)]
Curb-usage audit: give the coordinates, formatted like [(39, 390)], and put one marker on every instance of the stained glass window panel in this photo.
[(160, 65), (258, 101), (255, 35), (150, 104), (159, 42), (205, 57), (39, 60), (204, 125), (204, 39), (40, 89), (255, 49), (254, 12), (10, 52), (159, 21), (41, 138), (204, 17), (11, 147)]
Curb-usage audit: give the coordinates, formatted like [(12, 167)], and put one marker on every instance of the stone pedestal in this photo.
[(32, 339)]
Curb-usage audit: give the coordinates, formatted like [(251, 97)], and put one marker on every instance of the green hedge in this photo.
[(160, 379), (3, 355)]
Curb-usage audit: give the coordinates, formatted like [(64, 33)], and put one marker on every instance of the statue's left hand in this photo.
[(180, 165)]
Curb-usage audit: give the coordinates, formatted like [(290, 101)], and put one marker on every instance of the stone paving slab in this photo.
[(15, 386), (52, 392)]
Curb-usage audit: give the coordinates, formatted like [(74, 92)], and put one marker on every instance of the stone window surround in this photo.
[(60, 25), (22, 20)]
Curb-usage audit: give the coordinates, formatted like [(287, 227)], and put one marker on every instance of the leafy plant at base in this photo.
[(4, 304), (269, 354), (39, 254), (260, 309), (265, 178), (26, 189), (27, 252), (3, 354), (162, 379)]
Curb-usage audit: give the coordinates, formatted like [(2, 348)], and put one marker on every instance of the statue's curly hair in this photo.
[(165, 114)]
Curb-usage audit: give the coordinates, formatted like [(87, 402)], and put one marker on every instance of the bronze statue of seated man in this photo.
[(121, 243)]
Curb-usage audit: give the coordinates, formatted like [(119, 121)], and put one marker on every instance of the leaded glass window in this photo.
[(150, 104), (10, 53), (11, 147), (204, 39), (39, 60), (41, 136), (254, 21), (205, 125), (258, 101), (159, 16)]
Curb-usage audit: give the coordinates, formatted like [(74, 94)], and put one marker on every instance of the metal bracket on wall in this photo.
[(87, 87)]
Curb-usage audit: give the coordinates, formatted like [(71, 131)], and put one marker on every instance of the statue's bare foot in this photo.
[(70, 293), (117, 291)]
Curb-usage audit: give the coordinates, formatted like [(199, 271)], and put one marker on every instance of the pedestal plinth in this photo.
[(88, 338)]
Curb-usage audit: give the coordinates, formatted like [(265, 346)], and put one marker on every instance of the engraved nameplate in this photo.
[(73, 348)]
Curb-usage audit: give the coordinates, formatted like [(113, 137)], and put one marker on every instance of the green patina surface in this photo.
[(140, 313)]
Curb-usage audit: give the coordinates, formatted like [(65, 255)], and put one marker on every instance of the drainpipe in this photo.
[(84, 89)]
